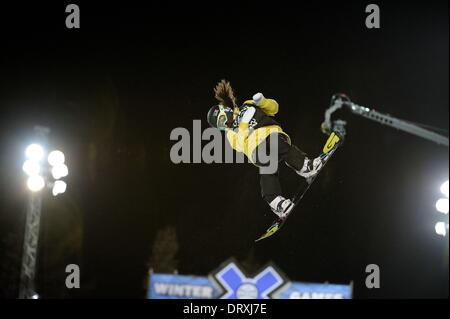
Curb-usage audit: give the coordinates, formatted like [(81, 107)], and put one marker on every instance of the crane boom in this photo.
[(339, 100)]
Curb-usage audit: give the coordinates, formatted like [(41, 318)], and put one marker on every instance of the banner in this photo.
[(298, 290), (231, 282), (164, 286)]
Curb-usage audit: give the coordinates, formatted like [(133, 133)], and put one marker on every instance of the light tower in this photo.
[(38, 167), (441, 227)]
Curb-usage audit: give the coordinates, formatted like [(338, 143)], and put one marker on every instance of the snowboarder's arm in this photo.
[(268, 106), (243, 130), (238, 138)]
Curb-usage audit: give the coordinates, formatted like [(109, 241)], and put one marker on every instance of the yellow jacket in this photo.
[(246, 139)]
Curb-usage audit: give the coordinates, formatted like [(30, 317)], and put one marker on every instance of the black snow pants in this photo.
[(285, 153)]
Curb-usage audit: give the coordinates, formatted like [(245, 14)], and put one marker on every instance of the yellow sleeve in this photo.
[(269, 106)]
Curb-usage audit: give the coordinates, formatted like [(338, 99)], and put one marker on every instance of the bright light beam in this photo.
[(56, 158), (442, 205), (35, 183), (59, 188), (31, 167), (444, 189), (34, 152), (60, 171), (441, 228)]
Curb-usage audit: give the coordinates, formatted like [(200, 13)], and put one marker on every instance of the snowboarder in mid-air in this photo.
[(248, 129)]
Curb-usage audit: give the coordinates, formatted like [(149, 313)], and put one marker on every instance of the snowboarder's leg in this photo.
[(270, 185), (298, 160), (292, 155), (269, 177), (269, 181), (271, 193)]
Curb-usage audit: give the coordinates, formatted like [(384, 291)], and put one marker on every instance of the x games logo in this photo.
[(236, 285)]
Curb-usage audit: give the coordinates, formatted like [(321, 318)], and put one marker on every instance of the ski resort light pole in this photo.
[(441, 227), (39, 177)]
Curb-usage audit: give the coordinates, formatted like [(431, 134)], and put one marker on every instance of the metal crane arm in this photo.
[(339, 100)]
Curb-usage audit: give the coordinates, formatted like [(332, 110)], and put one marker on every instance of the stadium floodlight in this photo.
[(34, 152), (59, 188), (444, 188), (31, 167), (37, 172), (56, 158), (442, 205), (60, 171), (35, 183), (39, 167), (441, 228)]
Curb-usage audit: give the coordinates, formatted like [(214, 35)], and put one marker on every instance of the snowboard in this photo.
[(332, 144)]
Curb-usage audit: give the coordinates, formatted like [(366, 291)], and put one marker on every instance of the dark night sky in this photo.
[(113, 90)]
